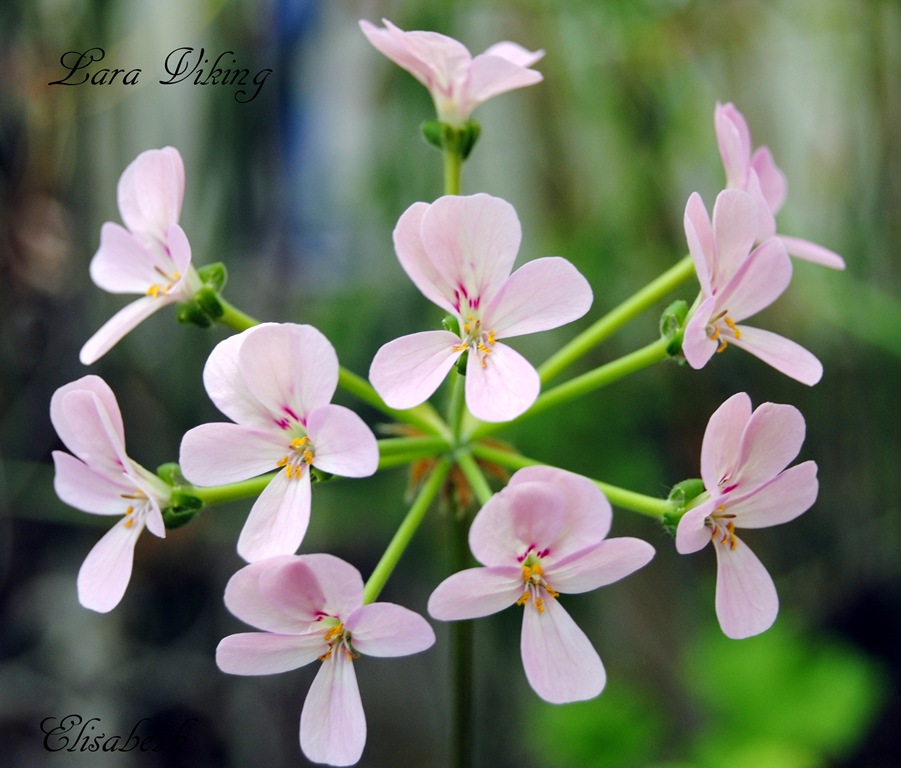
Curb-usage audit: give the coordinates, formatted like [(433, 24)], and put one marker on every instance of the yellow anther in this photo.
[(491, 337), (526, 573), (325, 655), (154, 290), (536, 569), (460, 347), (551, 592), (722, 346), (334, 631), (308, 456), (731, 323), (299, 441), (131, 521), (524, 599), (282, 461), (539, 604)]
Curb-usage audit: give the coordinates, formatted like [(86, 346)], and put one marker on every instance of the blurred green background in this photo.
[(297, 191)]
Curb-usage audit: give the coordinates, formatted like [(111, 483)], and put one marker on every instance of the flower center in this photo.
[(141, 501), (722, 527), (300, 455), (533, 577), (162, 289), (474, 338), (722, 328), (337, 638)]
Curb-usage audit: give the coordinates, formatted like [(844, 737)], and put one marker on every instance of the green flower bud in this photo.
[(208, 300), (672, 325), (681, 495), (214, 275), (191, 313), (182, 509), (452, 138)]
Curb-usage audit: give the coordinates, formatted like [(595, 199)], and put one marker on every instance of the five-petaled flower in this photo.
[(459, 252), (744, 457), (457, 82), (311, 607), (757, 173), (736, 283), (544, 534), (100, 478), (152, 256), (276, 382)]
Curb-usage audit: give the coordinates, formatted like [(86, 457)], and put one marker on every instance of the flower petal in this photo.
[(150, 191), (784, 355), (385, 629), (701, 245), (692, 534), (560, 662), (220, 453), (734, 141), (476, 592), (504, 388), (106, 571), (746, 600), (771, 439), (786, 497), (773, 185), (122, 264), (491, 75), (514, 53), (288, 586), (343, 444), (697, 347), (265, 653), (599, 565), (758, 282), (67, 415), (82, 487), (734, 230), (113, 330), (722, 438), (332, 723), (540, 295), (416, 262), (224, 382), (407, 371), (278, 519), (804, 249)]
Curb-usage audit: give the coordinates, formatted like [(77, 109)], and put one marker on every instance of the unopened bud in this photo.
[(681, 495), (672, 326)]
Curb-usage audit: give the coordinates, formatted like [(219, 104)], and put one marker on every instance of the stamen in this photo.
[(524, 599)]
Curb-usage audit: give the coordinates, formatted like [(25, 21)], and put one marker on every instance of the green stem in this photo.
[(399, 451), (405, 532), (219, 494), (452, 166), (461, 659), (474, 476), (620, 497), (457, 406), (615, 319), (234, 318)]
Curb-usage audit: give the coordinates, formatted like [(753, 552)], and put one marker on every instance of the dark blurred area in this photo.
[(297, 191)]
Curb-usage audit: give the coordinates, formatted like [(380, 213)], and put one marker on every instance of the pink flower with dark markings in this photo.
[(743, 465), (101, 479), (310, 608), (544, 534), (736, 283), (755, 172), (457, 82), (459, 251), (276, 382), (152, 257)]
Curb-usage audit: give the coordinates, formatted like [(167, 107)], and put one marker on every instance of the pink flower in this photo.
[(152, 256), (457, 81), (102, 480), (276, 382), (542, 535), (459, 252), (759, 175), (736, 284), (311, 607), (743, 461)]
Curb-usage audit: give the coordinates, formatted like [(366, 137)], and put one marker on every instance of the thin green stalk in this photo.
[(457, 406), (424, 446), (615, 319), (461, 660), (474, 476), (619, 497), (234, 318), (219, 494), (405, 532), (452, 166)]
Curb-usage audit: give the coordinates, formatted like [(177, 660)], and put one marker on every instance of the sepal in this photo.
[(672, 326), (182, 509), (453, 138), (681, 495)]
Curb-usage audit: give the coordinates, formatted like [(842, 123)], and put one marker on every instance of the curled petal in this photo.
[(782, 354), (220, 453), (734, 140), (504, 388), (343, 443), (491, 75), (746, 599), (385, 629), (332, 723), (265, 653), (408, 370), (278, 519), (560, 662), (106, 571), (90, 431), (66, 414), (476, 592), (113, 330), (701, 245), (513, 52), (607, 562), (150, 191)]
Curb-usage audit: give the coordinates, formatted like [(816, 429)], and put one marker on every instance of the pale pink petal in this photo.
[(106, 571), (734, 141), (288, 586), (504, 388), (416, 262), (264, 653), (126, 319), (491, 75), (692, 534), (540, 295), (476, 592), (785, 356), (82, 487), (734, 230), (586, 512), (701, 245), (722, 438), (395, 47), (86, 427), (522, 516), (278, 519), (746, 600), (180, 254), (150, 191), (245, 599), (122, 264), (786, 497), (759, 281), (220, 453), (343, 444), (385, 629), (773, 185), (812, 252), (514, 53), (224, 382), (766, 221), (291, 369), (697, 347), (439, 62), (560, 662), (473, 242), (772, 437), (332, 723), (599, 565), (407, 371), (60, 409)]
